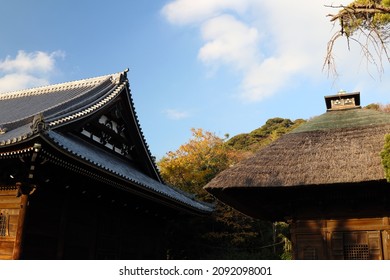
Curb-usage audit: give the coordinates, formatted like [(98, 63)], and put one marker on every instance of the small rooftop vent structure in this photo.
[(342, 101)]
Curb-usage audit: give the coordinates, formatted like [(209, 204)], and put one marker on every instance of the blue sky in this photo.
[(222, 65)]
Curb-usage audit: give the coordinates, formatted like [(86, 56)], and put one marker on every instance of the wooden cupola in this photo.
[(342, 101)]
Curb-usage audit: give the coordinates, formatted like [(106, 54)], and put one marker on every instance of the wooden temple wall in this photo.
[(10, 206), (77, 223), (365, 238)]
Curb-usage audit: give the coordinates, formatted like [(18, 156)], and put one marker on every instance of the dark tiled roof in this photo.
[(24, 104), (118, 167), (56, 103)]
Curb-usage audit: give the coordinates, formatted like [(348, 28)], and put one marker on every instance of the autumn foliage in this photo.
[(227, 234), (195, 163)]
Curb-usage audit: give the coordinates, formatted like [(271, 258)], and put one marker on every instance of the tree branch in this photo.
[(355, 8), (359, 19)]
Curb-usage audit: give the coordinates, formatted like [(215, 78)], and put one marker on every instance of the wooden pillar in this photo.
[(23, 192)]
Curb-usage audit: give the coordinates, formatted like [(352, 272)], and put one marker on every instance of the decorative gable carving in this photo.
[(109, 130)]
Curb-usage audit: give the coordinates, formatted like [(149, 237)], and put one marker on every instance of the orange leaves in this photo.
[(195, 163)]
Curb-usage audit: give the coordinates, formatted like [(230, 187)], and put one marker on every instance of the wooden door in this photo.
[(356, 245), (9, 212)]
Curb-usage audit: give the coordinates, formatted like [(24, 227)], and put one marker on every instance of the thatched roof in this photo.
[(337, 148), (328, 149)]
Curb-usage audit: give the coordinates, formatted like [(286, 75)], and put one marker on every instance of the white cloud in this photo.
[(16, 81), (263, 80), (190, 11), (174, 114), (267, 42), (228, 41), (27, 70)]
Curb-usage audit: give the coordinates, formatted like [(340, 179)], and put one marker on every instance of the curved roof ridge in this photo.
[(86, 109), (59, 86)]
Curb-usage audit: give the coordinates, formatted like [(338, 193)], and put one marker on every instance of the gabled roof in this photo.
[(49, 115)]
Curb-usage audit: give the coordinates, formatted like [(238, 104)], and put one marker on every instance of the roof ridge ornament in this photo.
[(38, 124), (341, 91), (120, 77), (3, 130)]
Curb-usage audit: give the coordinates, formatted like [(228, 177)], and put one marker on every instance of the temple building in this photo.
[(325, 178), (77, 179)]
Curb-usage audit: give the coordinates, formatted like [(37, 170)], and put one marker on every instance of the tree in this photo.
[(385, 153), (227, 234), (264, 135), (378, 107), (195, 163), (365, 22)]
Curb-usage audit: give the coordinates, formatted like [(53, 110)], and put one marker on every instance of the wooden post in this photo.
[(24, 194)]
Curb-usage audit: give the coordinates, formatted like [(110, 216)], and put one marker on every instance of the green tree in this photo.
[(378, 107), (264, 135), (365, 22), (385, 155)]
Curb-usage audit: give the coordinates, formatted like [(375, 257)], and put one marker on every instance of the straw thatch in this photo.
[(329, 149), (336, 148)]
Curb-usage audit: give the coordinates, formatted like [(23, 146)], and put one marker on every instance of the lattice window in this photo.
[(3, 223), (356, 252)]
